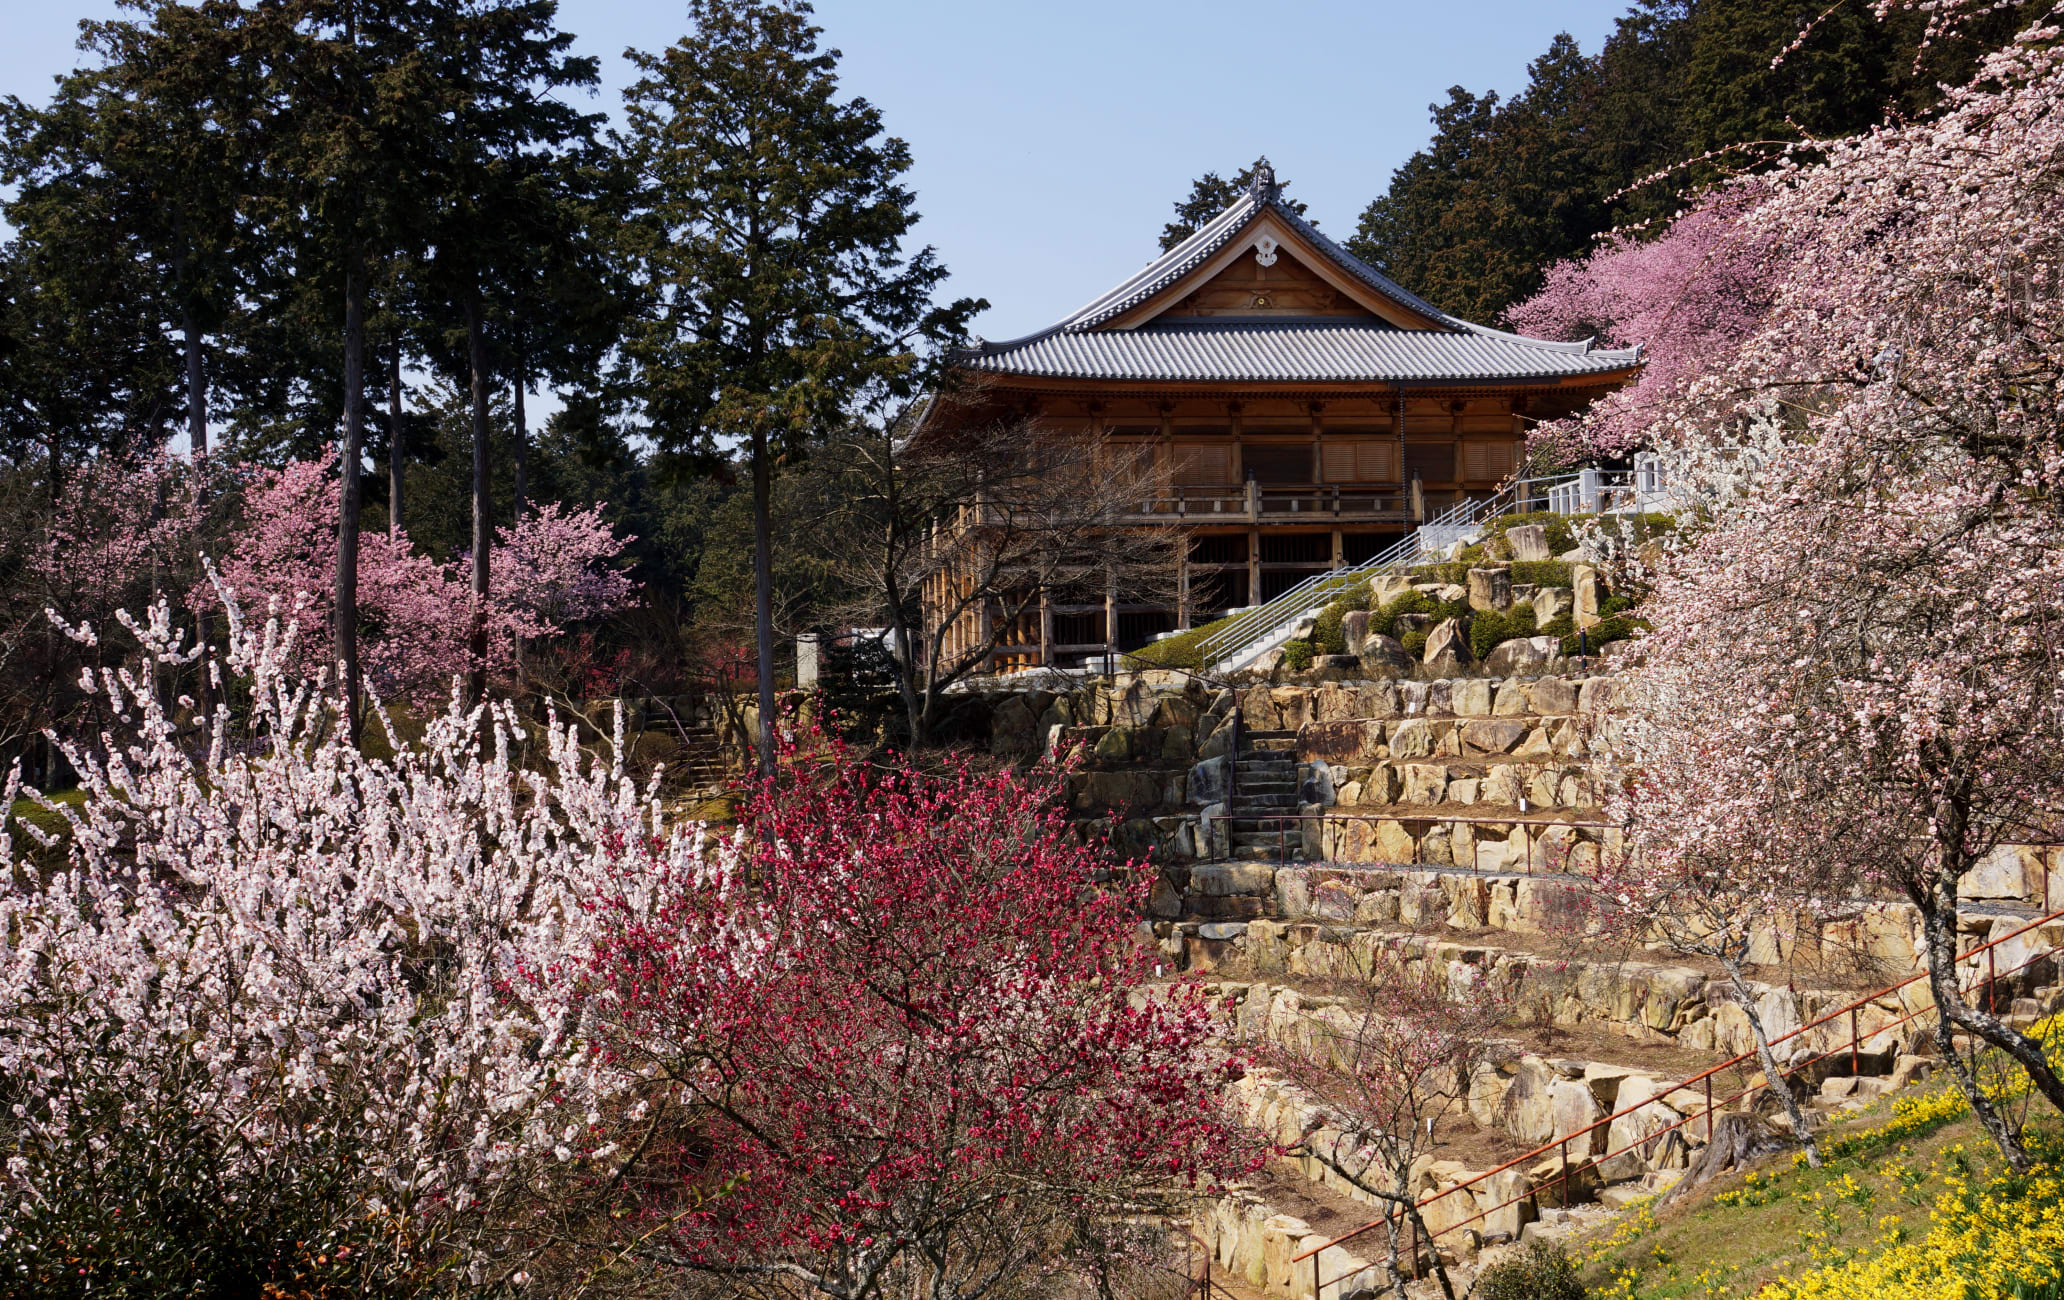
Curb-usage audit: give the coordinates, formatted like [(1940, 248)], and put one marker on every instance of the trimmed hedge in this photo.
[(1489, 628), (1298, 655)]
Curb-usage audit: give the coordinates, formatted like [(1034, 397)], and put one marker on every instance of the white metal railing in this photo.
[(1588, 491)]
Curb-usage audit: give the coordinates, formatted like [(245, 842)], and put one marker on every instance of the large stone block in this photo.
[(1423, 783), (1344, 741), (1552, 696), (1490, 588), (1491, 735), (1384, 655), (1447, 647), (1522, 655), (1588, 591), (1528, 543), (1634, 1135), (1471, 698)]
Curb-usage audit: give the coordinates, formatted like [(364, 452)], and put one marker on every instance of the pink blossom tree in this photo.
[(281, 991), (120, 531), (1688, 297), (939, 1076), (1871, 598), (415, 633)]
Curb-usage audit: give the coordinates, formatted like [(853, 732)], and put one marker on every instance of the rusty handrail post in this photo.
[(1709, 1109), (1855, 1069), (1315, 1283), (1991, 981), (1565, 1173)]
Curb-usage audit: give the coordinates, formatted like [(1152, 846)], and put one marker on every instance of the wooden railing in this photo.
[(1251, 502)]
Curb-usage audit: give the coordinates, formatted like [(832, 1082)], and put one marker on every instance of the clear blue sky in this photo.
[(1052, 136)]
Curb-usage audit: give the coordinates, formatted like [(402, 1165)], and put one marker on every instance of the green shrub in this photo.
[(1544, 1271), (1327, 635), (1612, 605), (1298, 655), (1488, 628), (1560, 536), (1560, 625), (1414, 642), (1543, 573), (1603, 634)]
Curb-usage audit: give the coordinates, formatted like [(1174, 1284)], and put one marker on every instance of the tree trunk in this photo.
[(1802, 1128), (196, 386), (1939, 931), (348, 490), (1738, 1140), (483, 523), (521, 454), (763, 592), (394, 441)]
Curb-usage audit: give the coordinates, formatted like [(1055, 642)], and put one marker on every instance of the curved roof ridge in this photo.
[(1213, 236)]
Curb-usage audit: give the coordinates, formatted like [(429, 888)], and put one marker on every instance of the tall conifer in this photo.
[(770, 246)]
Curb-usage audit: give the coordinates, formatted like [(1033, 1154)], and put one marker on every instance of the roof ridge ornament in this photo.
[(1263, 186)]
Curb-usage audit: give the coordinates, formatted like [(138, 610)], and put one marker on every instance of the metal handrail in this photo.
[(1562, 1144), (1407, 552)]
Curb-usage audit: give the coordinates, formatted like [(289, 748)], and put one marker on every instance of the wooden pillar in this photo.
[(1045, 629), (1254, 566), (1110, 615), (1339, 550), (1182, 585)]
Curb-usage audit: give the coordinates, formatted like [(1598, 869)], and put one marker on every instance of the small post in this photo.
[(1991, 979), (1565, 1173), (1709, 1110), (1855, 1070), (1315, 1277)]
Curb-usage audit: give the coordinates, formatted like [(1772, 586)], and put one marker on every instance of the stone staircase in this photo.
[(1265, 790)]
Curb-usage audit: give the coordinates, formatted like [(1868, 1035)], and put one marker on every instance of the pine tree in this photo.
[(769, 243), (1211, 194)]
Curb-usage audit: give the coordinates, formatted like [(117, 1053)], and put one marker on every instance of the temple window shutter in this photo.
[(1203, 465), (1486, 460), (1340, 462), (1377, 461)]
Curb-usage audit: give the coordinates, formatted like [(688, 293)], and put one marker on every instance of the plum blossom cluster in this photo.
[(483, 1015), (550, 568), (1688, 297), (292, 939), (941, 1075), (1851, 678)]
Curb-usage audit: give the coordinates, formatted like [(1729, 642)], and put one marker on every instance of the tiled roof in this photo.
[(1276, 348), (1289, 351)]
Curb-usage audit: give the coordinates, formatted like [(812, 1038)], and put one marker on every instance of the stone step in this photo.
[(1266, 852)]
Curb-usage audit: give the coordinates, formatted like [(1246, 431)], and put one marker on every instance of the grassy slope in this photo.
[(1879, 1188)]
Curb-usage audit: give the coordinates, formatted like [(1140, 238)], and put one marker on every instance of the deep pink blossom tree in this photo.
[(1688, 297), (415, 630), (938, 1073)]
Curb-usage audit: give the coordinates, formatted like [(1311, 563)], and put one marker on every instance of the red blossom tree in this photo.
[(910, 1041)]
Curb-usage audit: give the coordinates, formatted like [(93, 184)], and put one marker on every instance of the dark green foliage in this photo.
[(1507, 186), (1561, 625), (1415, 602), (159, 1206), (1543, 1271), (1561, 537), (1602, 633), (1489, 628), (1211, 194), (1297, 655), (1542, 573), (1327, 635), (1414, 642)]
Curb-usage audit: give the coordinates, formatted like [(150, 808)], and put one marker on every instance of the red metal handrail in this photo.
[(1562, 1143)]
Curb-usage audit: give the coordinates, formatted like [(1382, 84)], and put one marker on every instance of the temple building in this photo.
[(1302, 411)]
